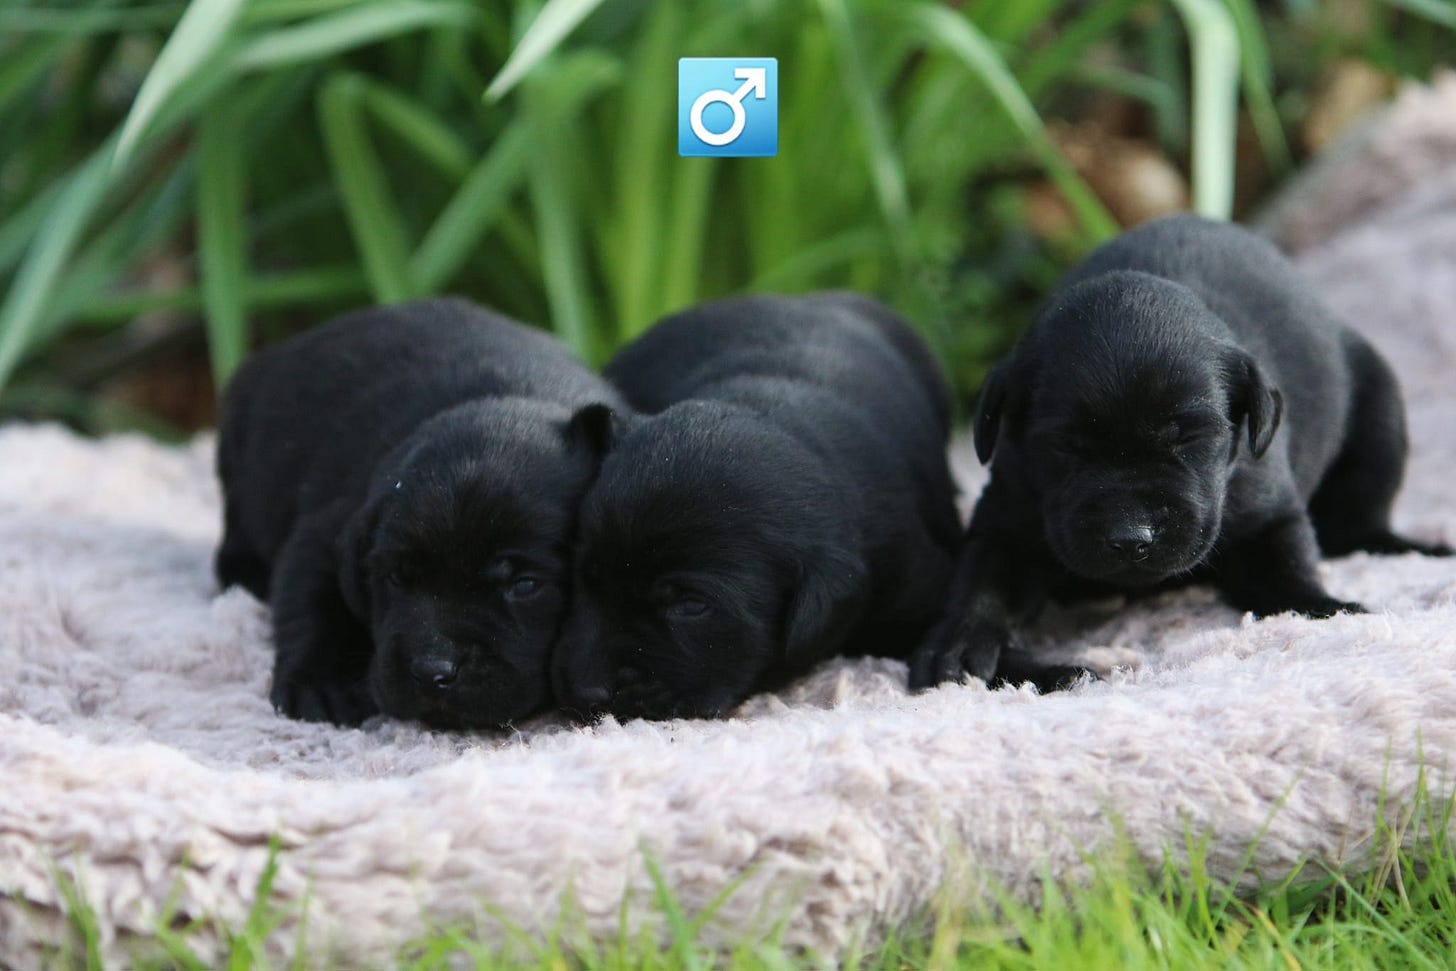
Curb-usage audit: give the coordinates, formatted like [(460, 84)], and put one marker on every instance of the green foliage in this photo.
[(284, 159)]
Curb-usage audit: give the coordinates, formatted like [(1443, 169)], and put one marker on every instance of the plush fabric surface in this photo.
[(139, 755)]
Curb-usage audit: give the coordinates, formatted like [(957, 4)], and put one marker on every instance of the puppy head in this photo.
[(459, 556), (711, 554), (1124, 407)]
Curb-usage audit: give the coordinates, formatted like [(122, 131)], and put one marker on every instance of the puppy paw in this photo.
[(1388, 543), (957, 652), (1052, 677), (342, 704), (1317, 608)]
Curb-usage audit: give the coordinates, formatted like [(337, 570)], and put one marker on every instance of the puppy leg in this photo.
[(237, 562), (1276, 570), (976, 626), (322, 663), (1351, 508)]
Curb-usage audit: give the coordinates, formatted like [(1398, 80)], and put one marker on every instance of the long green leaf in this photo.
[(222, 242), (887, 172), (326, 36), (378, 230), (552, 103), (55, 20), (417, 126), (199, 33), (473, 209), (326, 284), (1214, 46), (1258, 83), (25, 304), (556, 19), (632, 222)]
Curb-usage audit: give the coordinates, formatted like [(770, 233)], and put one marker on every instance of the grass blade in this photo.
[(1259, 84), (323, 37), (25, 304), (199, 33), (886, 170), (473, 209), (1214, 47), (222, 241), (320, 285), (378, 231), (417, 126), (557, 19), (552, 103)]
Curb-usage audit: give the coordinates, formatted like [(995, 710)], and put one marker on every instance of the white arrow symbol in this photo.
[(755, 80)]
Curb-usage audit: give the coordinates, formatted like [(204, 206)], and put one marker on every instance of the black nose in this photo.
[(1133, 543), (434, 672)]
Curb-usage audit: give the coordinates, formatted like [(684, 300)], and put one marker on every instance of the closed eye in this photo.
[(524, 588), (687, 608), (1191, 437)]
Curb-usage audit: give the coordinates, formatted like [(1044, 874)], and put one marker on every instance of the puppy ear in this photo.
[(988, 412), (354, 545), (819, 613), (1257, 402), (594, 427)]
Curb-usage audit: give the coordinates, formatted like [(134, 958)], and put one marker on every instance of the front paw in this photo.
[(1317, 608), (956, 651), (340, 703), (1016, 669)]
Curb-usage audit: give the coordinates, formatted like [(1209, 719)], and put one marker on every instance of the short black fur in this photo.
[(401, 484), (1183, 409), (785, 498)]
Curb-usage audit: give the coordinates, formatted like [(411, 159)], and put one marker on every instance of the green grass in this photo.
[(1392, 912), (287, 159)]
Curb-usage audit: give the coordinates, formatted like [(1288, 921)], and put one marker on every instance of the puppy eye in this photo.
[(524, 588), (687, 608), (1189, 437)]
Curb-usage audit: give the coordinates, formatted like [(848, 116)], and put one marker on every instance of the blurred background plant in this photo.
[(180, 182)]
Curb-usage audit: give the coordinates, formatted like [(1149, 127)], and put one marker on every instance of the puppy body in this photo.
[(785, 499), (1182, 409), (401, 483)]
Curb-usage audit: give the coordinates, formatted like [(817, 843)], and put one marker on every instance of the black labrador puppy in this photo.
[(401, 483), (786, 498), (1182, 409)]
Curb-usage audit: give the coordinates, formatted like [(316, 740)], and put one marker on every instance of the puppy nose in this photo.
[(434, 672), (1133, 543), (589, 699)]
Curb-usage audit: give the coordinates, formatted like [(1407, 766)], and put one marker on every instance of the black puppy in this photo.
[(401, 483), (787, 499), (1182, 409)]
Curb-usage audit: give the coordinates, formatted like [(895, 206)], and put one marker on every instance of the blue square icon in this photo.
[(728, 107)]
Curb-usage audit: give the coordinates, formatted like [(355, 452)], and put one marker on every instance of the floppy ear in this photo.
[(988, 412), (353, 547), (1257, 402), (819, 613), (594, 427)]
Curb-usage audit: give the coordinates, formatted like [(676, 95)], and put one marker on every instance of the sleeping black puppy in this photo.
[(786, 499), (401, 483), (1183, 409)]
